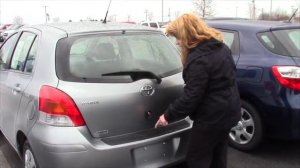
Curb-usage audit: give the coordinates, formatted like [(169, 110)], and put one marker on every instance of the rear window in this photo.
[(283, 42), (88, 58)]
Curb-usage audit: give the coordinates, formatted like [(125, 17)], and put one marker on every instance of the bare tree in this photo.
[(18, 20), (252, 9), (264, 16), (150, 16), (297, 19), (278, 15), (204, 8)]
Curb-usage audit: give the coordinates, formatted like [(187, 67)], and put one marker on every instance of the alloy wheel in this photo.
[(244, 131), (29, 159)]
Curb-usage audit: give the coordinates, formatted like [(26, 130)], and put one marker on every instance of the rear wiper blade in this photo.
[(136, 75)]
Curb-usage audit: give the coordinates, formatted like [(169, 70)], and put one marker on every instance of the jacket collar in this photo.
[(204, 48)]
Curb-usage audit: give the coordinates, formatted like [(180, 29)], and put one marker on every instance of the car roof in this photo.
[(250, 25), (95, 26)]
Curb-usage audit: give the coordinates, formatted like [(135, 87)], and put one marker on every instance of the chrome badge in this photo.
[(147, 90)]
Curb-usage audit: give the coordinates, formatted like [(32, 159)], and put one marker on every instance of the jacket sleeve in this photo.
[(196, 83)]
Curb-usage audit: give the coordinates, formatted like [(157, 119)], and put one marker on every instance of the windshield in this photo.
[(283, 42), (89, 57)]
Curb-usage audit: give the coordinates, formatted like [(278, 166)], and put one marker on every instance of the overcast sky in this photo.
[(33, 12)]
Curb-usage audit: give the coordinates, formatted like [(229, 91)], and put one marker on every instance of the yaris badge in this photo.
[(147, 90)]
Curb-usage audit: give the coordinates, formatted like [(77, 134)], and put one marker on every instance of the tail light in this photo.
[(58, 109), (288, 76)]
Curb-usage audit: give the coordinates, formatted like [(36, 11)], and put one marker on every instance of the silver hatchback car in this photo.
[(79, 95)]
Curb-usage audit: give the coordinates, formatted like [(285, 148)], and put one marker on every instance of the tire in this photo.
[(248, 133), (29, 160)]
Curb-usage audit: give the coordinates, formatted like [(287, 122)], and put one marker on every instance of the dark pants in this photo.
[(207, 147)]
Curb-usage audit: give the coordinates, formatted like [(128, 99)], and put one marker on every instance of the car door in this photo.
[(5, 55), (16, 82)]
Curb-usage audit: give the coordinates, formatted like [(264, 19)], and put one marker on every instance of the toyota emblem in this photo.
[(147, 90)]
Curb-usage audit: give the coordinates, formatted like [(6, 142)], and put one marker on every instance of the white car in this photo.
[(153, 24)]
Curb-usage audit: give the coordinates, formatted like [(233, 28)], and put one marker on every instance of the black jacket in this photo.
[(210, 95)]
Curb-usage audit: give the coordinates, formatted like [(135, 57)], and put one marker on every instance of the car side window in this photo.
[(153, 25), (4, 52), (271, 43), (31, 57), (21, 51), (231, 39), (295, 38), (266, 40)]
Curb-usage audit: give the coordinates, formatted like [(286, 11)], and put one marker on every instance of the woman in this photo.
[(210, 97)]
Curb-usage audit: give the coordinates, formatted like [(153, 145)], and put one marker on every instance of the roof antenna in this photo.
[(293, 15), (104, 21)]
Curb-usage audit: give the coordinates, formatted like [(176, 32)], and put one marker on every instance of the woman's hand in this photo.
[(161, 122)]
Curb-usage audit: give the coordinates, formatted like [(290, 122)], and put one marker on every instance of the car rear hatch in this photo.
[(115, 109), (121, 82)]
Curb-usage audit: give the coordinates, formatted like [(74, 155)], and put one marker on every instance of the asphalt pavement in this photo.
[(271, 154)]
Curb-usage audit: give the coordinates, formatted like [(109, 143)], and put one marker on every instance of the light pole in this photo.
[(162, 10), (146, 12), (46, 15), (254, 14), (0, 12), (271, 10), (169, 14)]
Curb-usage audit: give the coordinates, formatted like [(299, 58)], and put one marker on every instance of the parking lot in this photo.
[(271, 154)]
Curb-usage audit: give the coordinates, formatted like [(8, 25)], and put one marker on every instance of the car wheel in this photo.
[(248, 133), (28, 157)]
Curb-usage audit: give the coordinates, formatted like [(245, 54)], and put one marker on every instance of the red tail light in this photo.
[(288, 76), (58, 108)]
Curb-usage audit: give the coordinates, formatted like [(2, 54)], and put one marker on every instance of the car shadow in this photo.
[(271, 153), (8, 156)]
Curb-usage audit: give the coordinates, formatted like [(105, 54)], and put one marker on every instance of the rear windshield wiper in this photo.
[(136, 75)]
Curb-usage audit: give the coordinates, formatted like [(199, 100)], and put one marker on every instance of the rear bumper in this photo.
[(279, 110), (74, 147), (282, 123)]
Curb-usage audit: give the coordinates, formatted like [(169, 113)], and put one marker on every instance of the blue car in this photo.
[(267, 55)]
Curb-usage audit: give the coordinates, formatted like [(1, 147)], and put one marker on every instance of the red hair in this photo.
[(191, 30)]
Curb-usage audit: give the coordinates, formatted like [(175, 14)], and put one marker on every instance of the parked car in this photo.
[(88, 95), (3, 27), (267, 55), (152, 24), (10, 30)]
